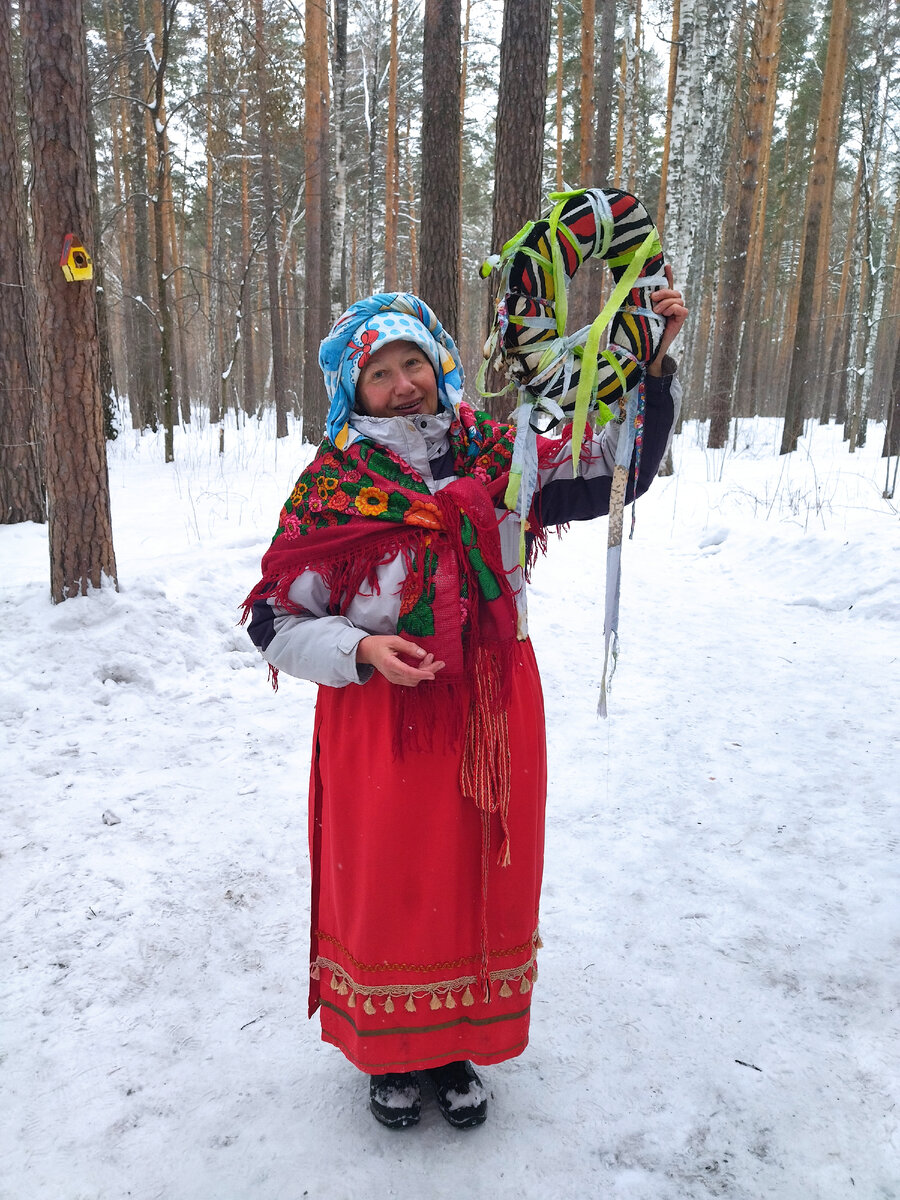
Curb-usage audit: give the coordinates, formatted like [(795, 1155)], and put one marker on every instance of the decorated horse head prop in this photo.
[(566, 377)]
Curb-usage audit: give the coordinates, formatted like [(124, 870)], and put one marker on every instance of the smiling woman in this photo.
[(394, 582), (398, 380)]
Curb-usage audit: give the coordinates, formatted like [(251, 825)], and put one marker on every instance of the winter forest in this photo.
[(257, 166), (716, 1011)]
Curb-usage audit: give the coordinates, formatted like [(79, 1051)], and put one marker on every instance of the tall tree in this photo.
[(606, 59), (317, 309), (391, 167), (160, 58), (270, 217), (816, 193), (586, 108), (440, 241), (521, 102), (736, 241), (81, 546), (339, 298), (143, 358), (519, 139), (667, 135), (21, 484)]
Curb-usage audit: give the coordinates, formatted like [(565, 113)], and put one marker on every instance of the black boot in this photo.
[(460, 1094), (394, 1099)]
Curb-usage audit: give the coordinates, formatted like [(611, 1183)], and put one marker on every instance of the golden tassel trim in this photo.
[(447, 993)]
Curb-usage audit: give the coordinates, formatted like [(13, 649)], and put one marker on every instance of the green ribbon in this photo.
[(587, 381)]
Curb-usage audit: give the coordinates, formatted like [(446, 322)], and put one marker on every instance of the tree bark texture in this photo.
[(163, 308), (21, 482), (270, 216), (440, 244), (825, 149), (143, 358), (317, 309), (81, 546), (391, 173), (518, 160), (249, 400), (560, 71), (519, 142), (339, 294), (606, 71), (586, 113), (736, 238)]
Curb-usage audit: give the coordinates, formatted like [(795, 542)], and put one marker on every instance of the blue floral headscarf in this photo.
[(369, 325)]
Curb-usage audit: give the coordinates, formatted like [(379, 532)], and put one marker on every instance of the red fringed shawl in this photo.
[(353, 510)]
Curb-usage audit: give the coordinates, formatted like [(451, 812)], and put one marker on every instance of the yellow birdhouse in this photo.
[(75, 261)]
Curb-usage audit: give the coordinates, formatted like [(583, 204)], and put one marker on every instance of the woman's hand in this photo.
[(669, 303), (385, 652)]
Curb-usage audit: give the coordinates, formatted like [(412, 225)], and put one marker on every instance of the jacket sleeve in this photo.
[(312, 645), (562, 498)]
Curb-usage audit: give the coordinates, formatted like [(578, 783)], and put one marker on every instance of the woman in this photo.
[(394, 582)]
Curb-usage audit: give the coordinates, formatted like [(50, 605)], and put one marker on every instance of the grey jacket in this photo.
[(322, 647)]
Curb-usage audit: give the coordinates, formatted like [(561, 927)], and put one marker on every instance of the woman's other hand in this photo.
[(386, 653), (669, 303)]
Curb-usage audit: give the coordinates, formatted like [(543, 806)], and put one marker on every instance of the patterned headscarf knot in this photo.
[(366, 327)]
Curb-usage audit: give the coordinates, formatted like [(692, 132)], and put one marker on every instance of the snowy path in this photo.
[(716, 1012)]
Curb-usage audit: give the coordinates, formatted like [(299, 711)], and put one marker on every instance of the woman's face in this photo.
[(398, 381)]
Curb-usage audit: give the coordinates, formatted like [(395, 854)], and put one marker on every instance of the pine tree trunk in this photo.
[(606, 60), (164, 311), (889, 338), (249, 400), (519, 145), (518, 160), (143, 382), (339, 295), (371, 82), (81, 546), (560, 64), (107, 378), (390, 166), (871, 283), (732, 278), (815, 218), (891, 444), (318, 236), (440, 240), (586, 113), (270, 217), (21, 483)]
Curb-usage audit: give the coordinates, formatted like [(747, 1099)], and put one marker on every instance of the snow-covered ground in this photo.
[(716, 1012)]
